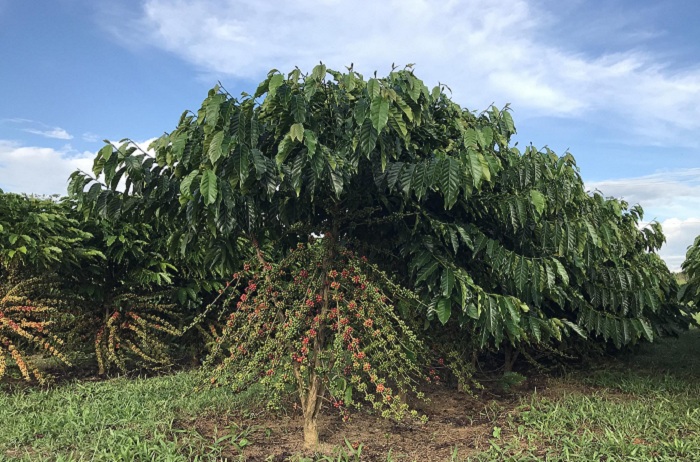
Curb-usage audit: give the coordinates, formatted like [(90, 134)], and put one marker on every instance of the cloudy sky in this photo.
[(617, 83)]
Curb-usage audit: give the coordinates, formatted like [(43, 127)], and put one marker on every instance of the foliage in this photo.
[(129, 296), (322, 322), (99, 270), (40, 233), (39, 240), (506, 249), (508, 244), (691, 269)]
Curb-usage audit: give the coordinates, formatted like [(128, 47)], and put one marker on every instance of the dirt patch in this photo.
[(457, 421)]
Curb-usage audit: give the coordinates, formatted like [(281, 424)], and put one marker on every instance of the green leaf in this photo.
[(447, 282), (296, 132), (426, 271), (283, 150), (475, 167), (186, 184), (310, 142), (561, 271), (444, 310), (241, 161), (575, 327), (392, 174), (509, 121), (275, 82), (373, 88), (449, 179), (536, 329), (368, 138), (208, 187), (537, 199), (337, 180), (215, 147), (398, 124), (319, 72), (106, 152), (647, 330), (299, 109), (405, 108), (379, 113), (259, 162), (522, 275)]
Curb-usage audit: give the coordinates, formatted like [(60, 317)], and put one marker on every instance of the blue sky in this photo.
[(617, 83)]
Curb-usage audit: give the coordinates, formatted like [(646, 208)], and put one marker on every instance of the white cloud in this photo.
[(679, 235), (39, 170), (486, 51), (91, 137), (43, 170), (40, 128), (56, 132), (674, 193), (672, 198)]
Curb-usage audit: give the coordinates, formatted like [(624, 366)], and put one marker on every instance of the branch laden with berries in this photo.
[(322, 321), (137, 331), (25, 312)]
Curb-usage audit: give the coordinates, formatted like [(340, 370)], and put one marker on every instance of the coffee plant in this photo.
[(504, 248), (322, 321)]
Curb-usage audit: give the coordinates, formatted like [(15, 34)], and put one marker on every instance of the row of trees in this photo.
[(344, 237)]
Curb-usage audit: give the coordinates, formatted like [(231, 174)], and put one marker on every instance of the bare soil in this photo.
[(456, 421)]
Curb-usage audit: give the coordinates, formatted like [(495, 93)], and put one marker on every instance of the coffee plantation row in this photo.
[(342, 241)]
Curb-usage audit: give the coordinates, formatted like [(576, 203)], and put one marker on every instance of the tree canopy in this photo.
[(506, 243)]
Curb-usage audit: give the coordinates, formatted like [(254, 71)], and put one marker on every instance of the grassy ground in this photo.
[(641, 407)]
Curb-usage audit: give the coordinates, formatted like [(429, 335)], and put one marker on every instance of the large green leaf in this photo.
[(444, 309), (207, 187), (449, 180), (296, 132), (379, 113), (106, 152), (368, 137), (537, 200), (215, 147), (475, 167), (298, 109), (373, 88), (185, 185), (447, 282)]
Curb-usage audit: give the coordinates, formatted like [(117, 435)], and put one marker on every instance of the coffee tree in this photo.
[(505, 248), (39, 240), (321, 320)]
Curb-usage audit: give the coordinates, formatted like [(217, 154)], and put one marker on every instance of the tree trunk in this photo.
[(310, 433), (508, 360)]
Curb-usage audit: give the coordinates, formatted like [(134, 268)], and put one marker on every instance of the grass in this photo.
[(643, 407), (116, 420), (640, 407)]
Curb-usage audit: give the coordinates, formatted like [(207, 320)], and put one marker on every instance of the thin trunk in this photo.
[(310, 434), (508, 367), (311, 406), (510, 358)]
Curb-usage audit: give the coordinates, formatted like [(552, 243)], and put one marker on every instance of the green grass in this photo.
[(640, 407), (643, 407), (115, 420)]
